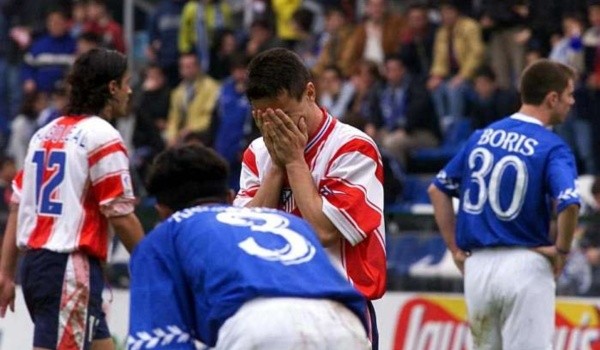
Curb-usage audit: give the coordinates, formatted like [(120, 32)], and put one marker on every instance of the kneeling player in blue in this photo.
[(233, 278)]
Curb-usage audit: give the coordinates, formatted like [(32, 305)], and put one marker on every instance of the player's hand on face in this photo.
[(289, 139), (7, 295), (266, 129), (459, 258)]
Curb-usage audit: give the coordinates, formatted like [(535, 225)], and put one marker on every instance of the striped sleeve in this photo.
[(17, 186), (249, 179), (109, 169), (352, 190)]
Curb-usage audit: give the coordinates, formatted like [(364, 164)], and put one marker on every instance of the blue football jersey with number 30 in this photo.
[(194, 271), (508, 178)]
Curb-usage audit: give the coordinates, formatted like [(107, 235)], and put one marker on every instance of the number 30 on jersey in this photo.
[(481, 163)]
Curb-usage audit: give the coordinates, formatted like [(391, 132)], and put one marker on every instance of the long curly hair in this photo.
[(89, 79)]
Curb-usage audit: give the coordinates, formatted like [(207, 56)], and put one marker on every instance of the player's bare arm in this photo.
[(129, 230), (270, 188), (566, 222), (8, 262), (446, 221), (310, 203)]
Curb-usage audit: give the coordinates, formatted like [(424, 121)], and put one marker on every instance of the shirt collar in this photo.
[(323, 126), (527, 119)]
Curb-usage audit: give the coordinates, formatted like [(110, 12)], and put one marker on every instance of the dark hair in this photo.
[(263, 23), (575, 16), (417, 5), (541, 78), (219, 36), (97, 2), (238, 60), (370, 66), (277, 71), (184, 176), (398, 58), (197, 137), (449, 3), (335, 69), (5, 159), (485, 72), (331, 9), (28, 104), (303, 17), (90, 37), (189, 54), (59, 10), (89, 79)]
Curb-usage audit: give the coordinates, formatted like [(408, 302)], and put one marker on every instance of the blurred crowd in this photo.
[(417, 76)]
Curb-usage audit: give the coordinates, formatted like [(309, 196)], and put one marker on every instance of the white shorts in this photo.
[(510, 294), (293, 323)]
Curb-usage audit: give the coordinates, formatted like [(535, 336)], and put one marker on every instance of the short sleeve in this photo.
[(249, 179), (448, 179), (352, 190), (17, 187), (561, 177), (109, 165), (156, 317)]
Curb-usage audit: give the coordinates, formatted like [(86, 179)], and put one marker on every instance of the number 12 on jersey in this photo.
[(49, 174)]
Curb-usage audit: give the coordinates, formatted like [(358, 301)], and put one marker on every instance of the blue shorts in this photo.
[(63, 293)]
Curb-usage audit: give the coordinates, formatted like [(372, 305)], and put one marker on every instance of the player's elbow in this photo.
[(329, 237)]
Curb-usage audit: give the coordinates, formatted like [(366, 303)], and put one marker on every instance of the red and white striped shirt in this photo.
[(76, 167), (347, 169)]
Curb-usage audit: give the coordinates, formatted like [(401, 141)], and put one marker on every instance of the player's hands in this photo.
[(259, 118), (459, 258), (7, 294), (557, 259), (559, 264), (288, 139)]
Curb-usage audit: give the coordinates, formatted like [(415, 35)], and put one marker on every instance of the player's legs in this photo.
[(97, 328), (373, 329), (482, 308), (57, 289), (293, 323), (528, 313)]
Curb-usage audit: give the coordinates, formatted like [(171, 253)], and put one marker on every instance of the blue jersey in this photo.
[(509, 177), (194, 271)]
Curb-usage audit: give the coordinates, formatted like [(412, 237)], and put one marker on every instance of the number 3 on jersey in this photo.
[(49, 174), (490, 190)]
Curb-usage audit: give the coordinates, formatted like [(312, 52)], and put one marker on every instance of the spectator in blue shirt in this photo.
[(50, 55), (233, 122), (163, 31)]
